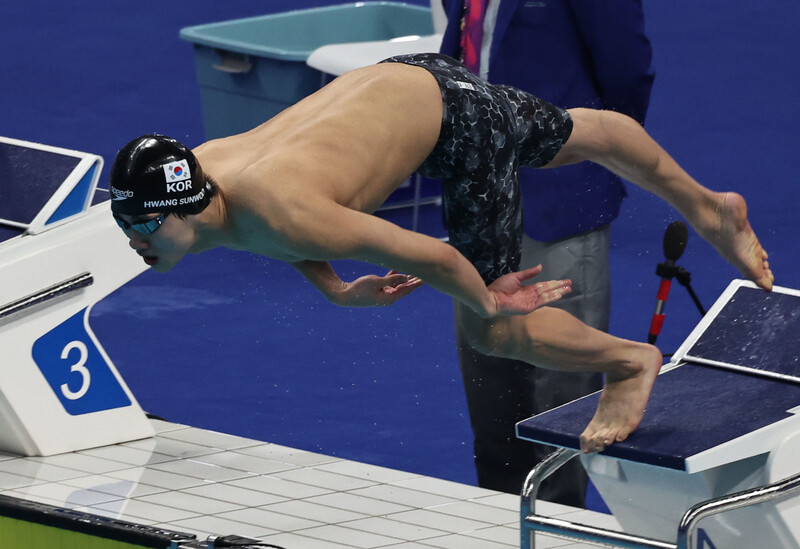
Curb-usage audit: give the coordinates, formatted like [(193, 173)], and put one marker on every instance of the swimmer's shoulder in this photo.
[(232, 160)]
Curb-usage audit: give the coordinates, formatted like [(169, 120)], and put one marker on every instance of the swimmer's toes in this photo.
[(589, 447), (623, 434), (602, 439), (589, 442), (600, 445)]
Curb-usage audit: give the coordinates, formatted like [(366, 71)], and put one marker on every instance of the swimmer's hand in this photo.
[(512, 297), (377, 291)]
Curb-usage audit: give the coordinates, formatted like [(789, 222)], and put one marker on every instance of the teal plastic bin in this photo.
[(251, 69)]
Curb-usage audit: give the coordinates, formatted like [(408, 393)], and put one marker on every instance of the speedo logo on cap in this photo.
[(176, 171), (120, 194)]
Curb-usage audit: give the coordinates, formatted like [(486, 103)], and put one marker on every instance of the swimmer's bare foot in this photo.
[(623, 401), (729, 231)]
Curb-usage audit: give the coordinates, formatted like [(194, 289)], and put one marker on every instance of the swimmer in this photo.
[(301, 188)]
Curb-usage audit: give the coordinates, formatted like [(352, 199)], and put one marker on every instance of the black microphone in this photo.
[(675, 238)]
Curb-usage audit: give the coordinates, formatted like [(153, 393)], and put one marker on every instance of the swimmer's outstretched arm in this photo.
[(374, 240), (366, 291), (620, 144)]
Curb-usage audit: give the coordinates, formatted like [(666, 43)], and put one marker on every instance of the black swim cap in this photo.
[(155, 173)]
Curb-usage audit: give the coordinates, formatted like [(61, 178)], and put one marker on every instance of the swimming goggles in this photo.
[(145, 227)]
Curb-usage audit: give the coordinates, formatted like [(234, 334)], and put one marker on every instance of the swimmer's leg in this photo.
[(485, 224), (720, 218), (554, 339), (722, 221)]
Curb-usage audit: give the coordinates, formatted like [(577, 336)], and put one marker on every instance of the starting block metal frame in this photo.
[(59, 255), (687, 528), (721, 435)]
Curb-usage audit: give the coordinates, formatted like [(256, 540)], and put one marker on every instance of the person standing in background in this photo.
[(573, 53)]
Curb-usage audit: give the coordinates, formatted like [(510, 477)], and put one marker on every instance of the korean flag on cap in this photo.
[(177, 171)]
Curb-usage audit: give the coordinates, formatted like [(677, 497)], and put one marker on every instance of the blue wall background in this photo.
[(242, 344)]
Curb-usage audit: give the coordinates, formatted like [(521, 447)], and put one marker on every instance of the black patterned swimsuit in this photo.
[(487, 132)]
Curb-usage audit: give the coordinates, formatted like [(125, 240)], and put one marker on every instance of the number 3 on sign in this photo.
[(82, 379), (79, 368)]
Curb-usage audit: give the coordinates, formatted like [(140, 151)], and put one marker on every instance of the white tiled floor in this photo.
[(202, 482)]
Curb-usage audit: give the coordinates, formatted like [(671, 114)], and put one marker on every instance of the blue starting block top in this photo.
[(746, 384), (43, 186), (7, 233), (754, 332)]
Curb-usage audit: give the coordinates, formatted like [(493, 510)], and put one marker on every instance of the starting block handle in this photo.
[(777, 490), (70, 285), (531, 522), (593, 534)]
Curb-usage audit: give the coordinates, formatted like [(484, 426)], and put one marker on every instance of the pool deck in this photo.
[(208, 483)]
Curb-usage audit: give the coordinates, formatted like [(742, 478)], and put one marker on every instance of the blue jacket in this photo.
[(573, 53)]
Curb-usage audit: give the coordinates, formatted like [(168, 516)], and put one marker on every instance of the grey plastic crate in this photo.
[(251, 69)]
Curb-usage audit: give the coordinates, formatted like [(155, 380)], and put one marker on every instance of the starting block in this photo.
[(59, 255), (715, 460)]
